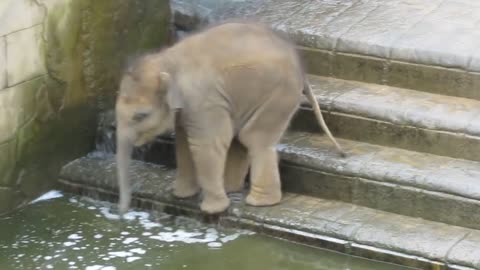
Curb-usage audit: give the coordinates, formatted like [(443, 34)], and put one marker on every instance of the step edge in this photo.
[(330, 107), (393, 183), (97, 192)]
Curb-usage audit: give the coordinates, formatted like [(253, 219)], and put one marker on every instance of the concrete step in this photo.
[(398, 117), (404, 182), (344, 227), (399, 181), (431, 46)]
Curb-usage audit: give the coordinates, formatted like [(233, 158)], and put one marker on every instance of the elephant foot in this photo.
[(215, 206), (184, 191), (259, 199)]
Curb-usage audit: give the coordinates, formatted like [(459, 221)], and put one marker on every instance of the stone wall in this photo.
[(60, 62)]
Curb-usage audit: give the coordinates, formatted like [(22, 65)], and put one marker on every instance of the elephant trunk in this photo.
[(124, 152)]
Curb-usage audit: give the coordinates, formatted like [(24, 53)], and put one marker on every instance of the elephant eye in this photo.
[(140, 116)]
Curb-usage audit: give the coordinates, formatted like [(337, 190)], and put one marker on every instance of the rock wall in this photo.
[(60, 62)]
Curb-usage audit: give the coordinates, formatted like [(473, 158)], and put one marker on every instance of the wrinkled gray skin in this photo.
[(229, 92)]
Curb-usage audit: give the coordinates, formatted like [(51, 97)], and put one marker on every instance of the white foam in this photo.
[(214, 244), (185, 237), (138, 250), (120, 253), (133, 214), (98, 236), (74, 236), (149, 224), (143, 218), (130, 240), (132, 259), (52, 194), (68, 244), (47, 258), (106, 213)]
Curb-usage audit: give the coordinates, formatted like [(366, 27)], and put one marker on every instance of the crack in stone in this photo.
[(422, 19), (447, 255), (335, 47)]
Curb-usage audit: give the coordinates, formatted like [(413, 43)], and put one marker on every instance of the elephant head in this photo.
[(144, 109)]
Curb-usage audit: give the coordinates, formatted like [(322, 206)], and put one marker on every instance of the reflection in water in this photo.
[(78, 233)]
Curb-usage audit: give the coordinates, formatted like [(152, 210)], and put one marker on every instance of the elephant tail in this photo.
[(318, 114)]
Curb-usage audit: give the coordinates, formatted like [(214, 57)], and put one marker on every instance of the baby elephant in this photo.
[(229, 92)]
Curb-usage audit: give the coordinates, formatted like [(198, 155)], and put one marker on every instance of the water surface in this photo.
[(71, 232)]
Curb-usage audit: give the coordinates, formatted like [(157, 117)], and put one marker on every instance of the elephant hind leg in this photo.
[(236, 168), (265, 186), (260, 136)]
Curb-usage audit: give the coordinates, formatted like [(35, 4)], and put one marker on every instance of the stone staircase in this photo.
[(398, 84)]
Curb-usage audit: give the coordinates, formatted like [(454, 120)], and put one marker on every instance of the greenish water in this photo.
[(71, 232)]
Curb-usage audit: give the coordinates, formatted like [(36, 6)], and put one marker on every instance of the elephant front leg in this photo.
[(236, 168), (209, 141), (185, 184), (264, 178), (209, 162)]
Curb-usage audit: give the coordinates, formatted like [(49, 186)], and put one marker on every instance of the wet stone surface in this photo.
[(399, 181), (419, 242), (402, 43), (466, 252), (432, 240), (377, 28), (389, 116)]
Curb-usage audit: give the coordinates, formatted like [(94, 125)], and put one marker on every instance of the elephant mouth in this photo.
[(146, 137), (144, 140)]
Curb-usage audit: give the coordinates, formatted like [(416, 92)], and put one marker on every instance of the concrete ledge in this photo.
[(390, 116), (399, 181), (419, 45), (340, 226), (399, 106)]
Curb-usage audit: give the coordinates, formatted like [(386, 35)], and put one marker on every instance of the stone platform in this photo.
[(431, 46), (335, 225)]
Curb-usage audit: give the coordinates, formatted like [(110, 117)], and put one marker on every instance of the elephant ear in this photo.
[(174, 96)]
